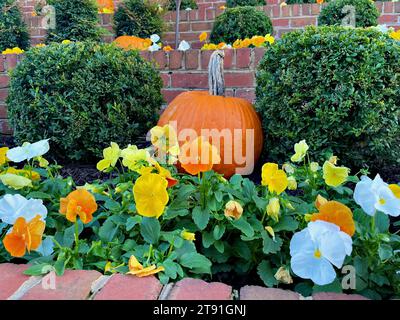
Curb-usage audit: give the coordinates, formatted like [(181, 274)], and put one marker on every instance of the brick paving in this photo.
[(92, 285)]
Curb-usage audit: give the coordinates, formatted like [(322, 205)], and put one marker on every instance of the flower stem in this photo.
[(76, 237), (373, 224), (149, 254)]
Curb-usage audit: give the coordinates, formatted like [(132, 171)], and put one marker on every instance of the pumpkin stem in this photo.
[(216, 81)]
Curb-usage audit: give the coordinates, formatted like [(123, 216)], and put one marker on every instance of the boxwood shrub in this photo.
[(83, 96), (241, 3), (184, 5), (138, 18), (13, 30), (336, 87), (76, 20), (239, 23), (366, 13)]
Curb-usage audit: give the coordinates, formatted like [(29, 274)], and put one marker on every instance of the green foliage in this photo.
[(138, 18), (184, 5), (242, 3), (76, 20), (336, 87), (240, 23), (13, 31), (82, 94), (366, 13)]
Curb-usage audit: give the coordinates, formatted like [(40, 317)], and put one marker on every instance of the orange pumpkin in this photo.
[(132, 43), (199, 110), (105, 4)]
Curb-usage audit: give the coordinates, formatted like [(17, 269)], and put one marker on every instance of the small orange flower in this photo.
[(136, 268), (198, 156), (24, 236), (78, 203), (320, 1), (246, 43), (167, 48), (258, 41), (337, 213)]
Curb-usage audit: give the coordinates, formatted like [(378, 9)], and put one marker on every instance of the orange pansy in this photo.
[(198, 156), (24, 236), (78, 203), (337, 213)]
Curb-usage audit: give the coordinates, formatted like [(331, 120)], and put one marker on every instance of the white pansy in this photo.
[(155, 38), (14, 206), (373, 195), (184, 46), (28, 151), (154, 47), (316, 249), (188, 9)]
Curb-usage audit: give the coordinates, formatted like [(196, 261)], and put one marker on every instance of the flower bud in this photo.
[(314, 166), (233, 209), (283, 275), (273, 208), (292, 183), (189, 236)]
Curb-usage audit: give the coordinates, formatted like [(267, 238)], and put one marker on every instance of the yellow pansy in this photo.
[(29, 174), (111, 156), (203, 36), (275, 179), (334, 176), (14, 50), (40, 45), (245, 43), (151, 196), (270, 39), (395, 35), (136, 268), (3, 157), (292, 183), (165, 139), (15, 181), (134, 158), (300, 150), (395, 189), (273, 208), (237, 44), (189, 236)]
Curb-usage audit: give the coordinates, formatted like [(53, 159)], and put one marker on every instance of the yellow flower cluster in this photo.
[(14, 50), (256, 41)]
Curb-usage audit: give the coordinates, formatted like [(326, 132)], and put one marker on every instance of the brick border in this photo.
[(91, 285)]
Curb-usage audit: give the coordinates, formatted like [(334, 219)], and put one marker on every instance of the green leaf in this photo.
[(69, 235), (38, 195), (243, 226), (132, 222), (266, 274), (150, 230), (196, 262), (39, 269), (219, 231), (59, 266), (108, 231), (385, 252), (335, 286), (171, 269), (219, 245), (200, 217), (208, 239), (287, 223), (382, 222), (270, 245)]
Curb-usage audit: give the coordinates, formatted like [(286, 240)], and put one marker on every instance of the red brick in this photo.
[(243, 58), (11, 278), (195, 289), (258, 55), (210, 14), (161, 59), (171, 94), (228, 60), (286, 11), (11, 61), (175, 59), (239, 80), (73, 285), (302, 22), (145, 55), (315, 8), (379, 6), (166, 80), (3, 111), (397, 7), (192, 59), (205, 59), (189, 80), (247, 94), (261, 293), (387, 19), (388, 7), (280, 22), (5, 127), (306, 9), (202, 26), (2, 61), (337, 296), (4, 80), (275, 11), (124, 287), (3, 94), (296, 10)]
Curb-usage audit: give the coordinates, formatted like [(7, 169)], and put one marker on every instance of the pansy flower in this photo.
[(300, 150), (15, 206), (334, 176), (78, 203), (28, 151), (274, 178), (111, 156), (137, 269)]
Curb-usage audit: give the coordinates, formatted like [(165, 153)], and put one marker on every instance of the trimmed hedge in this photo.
[(138, 18), (239, 23), (76, 20), (83, 96), (13, 30), (366, 13), (336, 87), (241, 3)]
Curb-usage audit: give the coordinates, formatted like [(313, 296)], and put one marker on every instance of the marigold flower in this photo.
[(3, 155), (136, 268), (275, 179), (24, 236), (111, 156), (198, 156), (203, 36), (189, 236), (300, 150), (233, 209), (274, 208), (337, 213), (151, 196), (78, 203), (334, 176)]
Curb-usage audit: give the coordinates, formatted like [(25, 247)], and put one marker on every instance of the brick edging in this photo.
[(92, 285)]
